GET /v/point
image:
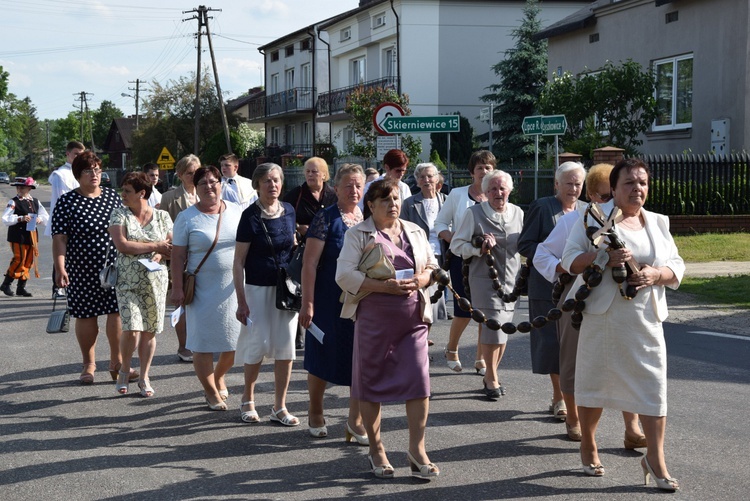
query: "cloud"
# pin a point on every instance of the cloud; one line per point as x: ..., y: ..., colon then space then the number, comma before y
x: 273, y: 8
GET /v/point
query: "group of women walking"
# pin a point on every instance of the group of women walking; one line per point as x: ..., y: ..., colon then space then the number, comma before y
x: 359, y: 268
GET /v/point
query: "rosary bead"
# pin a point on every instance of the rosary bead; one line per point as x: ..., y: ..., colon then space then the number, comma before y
x: 568, y: 305
x: 582, y: 293
x: 493, y: 324
x: 524, y: 327
x: 539, y: 321
x: 554, y: 314
x: 478, y: 316
x: 509, y: 328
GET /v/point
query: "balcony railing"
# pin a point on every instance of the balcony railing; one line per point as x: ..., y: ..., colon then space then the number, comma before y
x: 298, y: 99
x: 276, y: 151
x: 335, y: 101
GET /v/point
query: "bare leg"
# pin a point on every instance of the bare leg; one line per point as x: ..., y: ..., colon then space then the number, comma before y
x: 458, y: 325
x: 355, y: 416
x: 181, y: 331
x: 570, y: 402
x: 556, y: 393
x: 371, y: 420
x: 223, y: 365
x: 146, y: 350
x: 251, y: 375
x: 492, y: 354
x: 87, y: 329
x: 416, y: 415
x: 127, y: 347
x: 114, y: 332
x: 654, y: 428
x: 282, y: 373
x: 203, y: 363
x: 632, y: 428
x: 316, y: 388
x: 589, y: 417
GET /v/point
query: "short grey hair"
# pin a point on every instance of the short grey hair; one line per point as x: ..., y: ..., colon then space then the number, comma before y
x: 262, y: 170
x: 566, y: 167
x: 499, y: 174
x: 348, y: 170
x: 425, y: 165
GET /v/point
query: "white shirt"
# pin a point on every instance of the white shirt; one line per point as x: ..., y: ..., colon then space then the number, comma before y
x: 155, y: 199
x: 239, y: 190
x: 9, y: 218
x: 403, y: 191
x: 61, y: 181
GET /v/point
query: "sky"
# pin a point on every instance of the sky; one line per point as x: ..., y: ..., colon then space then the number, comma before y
x: 56, y: 49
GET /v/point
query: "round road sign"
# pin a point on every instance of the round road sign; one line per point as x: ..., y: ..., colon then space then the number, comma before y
x: 384, y: 111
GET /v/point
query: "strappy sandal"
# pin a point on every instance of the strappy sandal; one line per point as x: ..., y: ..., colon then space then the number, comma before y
x: 133, y: 377
x: 250, y: 416
x: 145, y: 387
x: 454, y: 365
x: 287, y: 420
x: 87, y: 377
x: 121, y: 386
x: 224, y: 394
x: 559, y: 410
x: 428, y: 470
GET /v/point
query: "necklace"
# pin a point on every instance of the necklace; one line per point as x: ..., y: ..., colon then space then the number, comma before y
x: 350, y: 219
x: 478, y: 196
x: 267, y: 212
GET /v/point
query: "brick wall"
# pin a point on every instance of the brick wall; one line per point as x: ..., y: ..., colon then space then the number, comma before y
x: 689, y: 225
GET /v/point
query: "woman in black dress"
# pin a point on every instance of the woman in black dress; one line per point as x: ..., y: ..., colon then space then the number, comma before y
x: 81, y: 245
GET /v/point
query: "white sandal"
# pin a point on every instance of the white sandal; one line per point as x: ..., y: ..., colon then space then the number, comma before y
x: 249, y: 416
x: 287, y: 420
x: 559, y: 410
x: 454, y: 365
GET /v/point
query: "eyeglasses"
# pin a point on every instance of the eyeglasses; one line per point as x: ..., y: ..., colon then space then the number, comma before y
x: 88, y: 172
x: 209, y: 184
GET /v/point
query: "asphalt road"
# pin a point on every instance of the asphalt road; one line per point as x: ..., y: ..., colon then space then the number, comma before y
x: 64, y: 441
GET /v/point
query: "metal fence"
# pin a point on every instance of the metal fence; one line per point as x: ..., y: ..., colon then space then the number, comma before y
x: 699, y: 184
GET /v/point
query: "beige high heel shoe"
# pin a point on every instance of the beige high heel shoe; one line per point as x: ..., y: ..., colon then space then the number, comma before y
x: 665, y: 484
x: 350, y: 434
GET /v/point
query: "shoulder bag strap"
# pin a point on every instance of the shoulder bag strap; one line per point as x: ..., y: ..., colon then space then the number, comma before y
x: 270, y: 244
x: 216, y: 239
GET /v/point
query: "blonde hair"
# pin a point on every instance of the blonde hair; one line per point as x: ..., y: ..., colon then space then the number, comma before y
x: 182, y: 164
x: 597, y: 174
x: 322, y: 166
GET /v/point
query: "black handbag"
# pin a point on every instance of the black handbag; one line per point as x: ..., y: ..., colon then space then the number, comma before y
x: 288, y: 291
x: 59, y: 320
x: 294, y: 268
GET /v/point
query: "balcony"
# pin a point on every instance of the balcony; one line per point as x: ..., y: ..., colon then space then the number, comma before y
x: 333, y: 102
x: 296, y: 100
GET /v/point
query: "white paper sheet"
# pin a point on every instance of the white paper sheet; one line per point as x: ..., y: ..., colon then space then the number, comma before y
x: 150, y: 265
x: 404, y: 274
x: 175, y: 317
x: 316, y: 332
x: 31, y: 225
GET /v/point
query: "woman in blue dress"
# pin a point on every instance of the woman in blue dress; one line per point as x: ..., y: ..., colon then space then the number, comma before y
x: 329, y: 360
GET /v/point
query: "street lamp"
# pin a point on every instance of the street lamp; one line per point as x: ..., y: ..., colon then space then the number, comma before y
x: 136, y: 107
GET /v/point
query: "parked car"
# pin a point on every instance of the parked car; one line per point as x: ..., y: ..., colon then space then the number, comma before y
x: 106, y: 181
x: 4, y: 178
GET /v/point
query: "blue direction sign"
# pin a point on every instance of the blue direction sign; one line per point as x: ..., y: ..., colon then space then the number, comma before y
x: 405, y: 125
x: 544, y: 125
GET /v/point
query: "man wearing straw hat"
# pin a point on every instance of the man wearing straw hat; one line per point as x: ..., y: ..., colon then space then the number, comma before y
x: 22, y: 215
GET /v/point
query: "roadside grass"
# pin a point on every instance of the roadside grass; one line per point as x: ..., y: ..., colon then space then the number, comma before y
x: 714, y: 247
x: 729, y: 290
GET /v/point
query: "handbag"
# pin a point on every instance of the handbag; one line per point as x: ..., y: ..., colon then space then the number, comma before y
x: 294, y: 268
x: 188, y: 279
x: 108, y: 274
x: 59, y: 320
x: 375, y: 264
x: 288, y: 291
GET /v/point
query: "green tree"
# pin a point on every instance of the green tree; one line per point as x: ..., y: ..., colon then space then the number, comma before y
x: 168, y: 118
x: 462, y: 143
x: 612, y: 106
x: 522, y: 75
x: 360, y: 106
x: 4, y: 113
x: 32, y: 140
x: 102, y: 120
x: 62, y: 131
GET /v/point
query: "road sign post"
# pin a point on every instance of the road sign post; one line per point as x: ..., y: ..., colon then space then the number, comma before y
x: 543, y: 125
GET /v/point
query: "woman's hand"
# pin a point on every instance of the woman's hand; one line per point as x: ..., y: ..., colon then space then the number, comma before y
x: 646, y: 277
x: 488, y: 242
x: 178, y: 296
x: 306, y: 314
x: 243, y: 312
x: 302, y: 229
x: 399, y: 287
x: 62, y: 278
x: 164, y: 248
x: 618, y: 257
x: 156, y: 258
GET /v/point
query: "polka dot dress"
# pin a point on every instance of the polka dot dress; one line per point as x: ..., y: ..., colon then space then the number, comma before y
x: 85, y: 221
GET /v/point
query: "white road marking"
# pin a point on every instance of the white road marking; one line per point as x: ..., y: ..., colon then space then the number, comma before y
x: 721, y: 334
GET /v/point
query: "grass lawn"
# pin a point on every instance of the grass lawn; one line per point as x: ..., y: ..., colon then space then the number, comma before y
x: 733, y: 290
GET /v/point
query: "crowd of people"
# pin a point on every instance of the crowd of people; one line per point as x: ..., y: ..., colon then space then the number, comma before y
x: 370, y: 252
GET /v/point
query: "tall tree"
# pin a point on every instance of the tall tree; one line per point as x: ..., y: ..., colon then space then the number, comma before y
x: 612, y: 106
x: 102, y: 120
x: 32, y: 140
x: 522, y: 74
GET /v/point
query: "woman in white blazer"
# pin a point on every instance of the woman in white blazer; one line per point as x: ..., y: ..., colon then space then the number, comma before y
x: 621, y: 359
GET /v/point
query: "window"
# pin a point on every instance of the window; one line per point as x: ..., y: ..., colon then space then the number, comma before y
x: 289, y: 131
x: 594, y: 37
x: 306, y: 136
x: 275, y: 133
x: 305, y: 44
x: 674, y: 93
x: 345, y: 34
x: 358, y: 71
x: 348, y: 137
x: 305, y: 80
x: 289, y: 79
x: 389, y: 63
x: 289, y: 50
x: 671, y: 17
x: 378, y: 20
x: 274, y: 83
x: 275, y: 55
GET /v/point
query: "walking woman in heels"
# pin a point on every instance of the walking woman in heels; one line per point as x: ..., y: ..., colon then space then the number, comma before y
x: 621, y: 361
x: 390, y: 360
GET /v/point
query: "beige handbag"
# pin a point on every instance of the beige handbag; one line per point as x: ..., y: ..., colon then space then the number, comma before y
x: 375, y: 264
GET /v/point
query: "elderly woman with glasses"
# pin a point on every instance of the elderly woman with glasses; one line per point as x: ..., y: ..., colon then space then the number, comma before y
x: 81, y: 246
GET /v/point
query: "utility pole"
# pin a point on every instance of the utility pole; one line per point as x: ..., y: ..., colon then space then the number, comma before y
x: 202, y: 17
x: 82, y: 96
x: 136, y: 97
